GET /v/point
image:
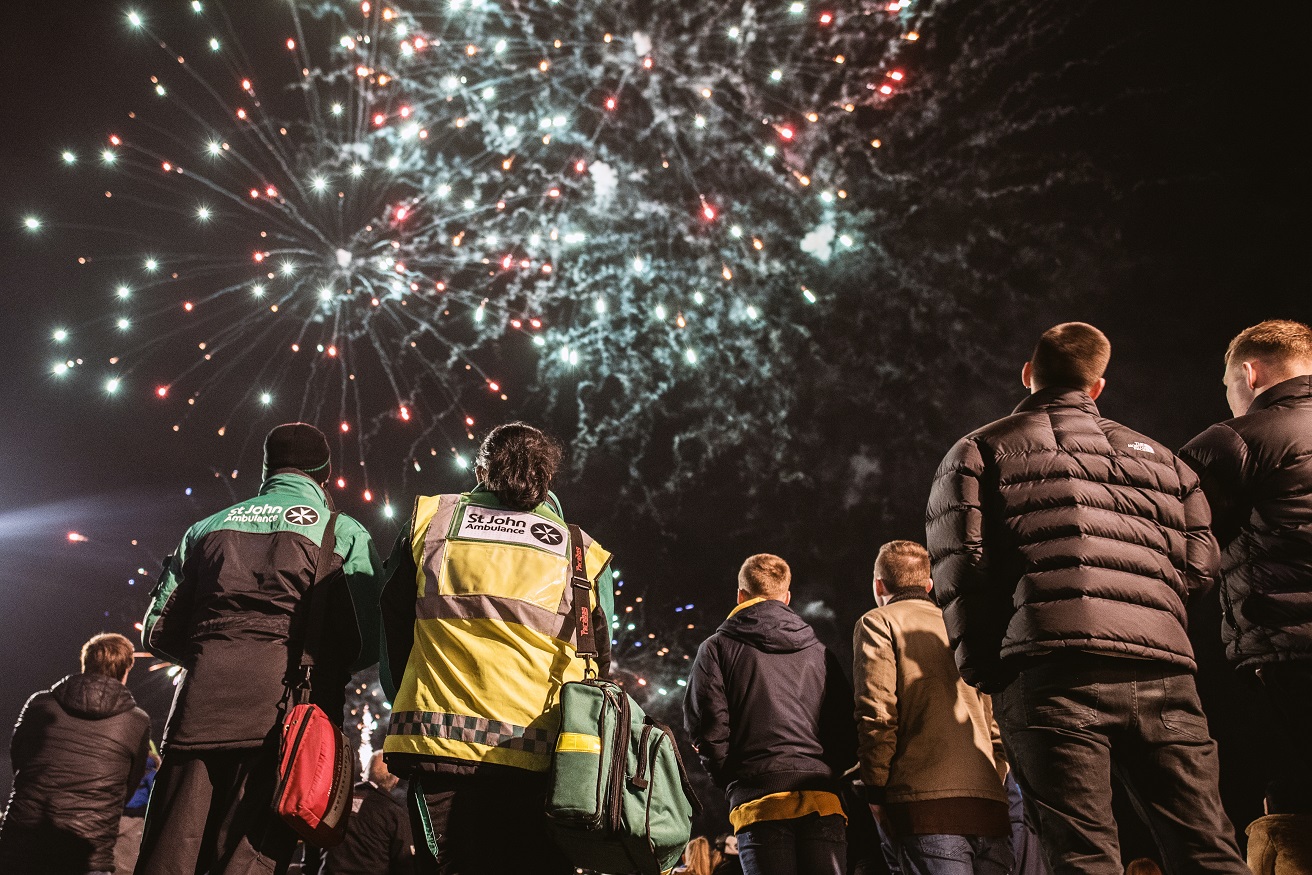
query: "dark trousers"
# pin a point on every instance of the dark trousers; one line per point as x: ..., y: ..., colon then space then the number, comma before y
x: 485, y: 825
x: 211, y: 812
x: 810, y: 845
x: 1067, y: 721
x: 1288, y: 689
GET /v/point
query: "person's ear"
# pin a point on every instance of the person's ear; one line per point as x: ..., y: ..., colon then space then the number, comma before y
x: 788, y: 597
x: 1027, y: 375
x: 1252, y: 374
x: 929, y: 584
x: 742, y: 596
x: 880, y: 589
x: 1096, y: 389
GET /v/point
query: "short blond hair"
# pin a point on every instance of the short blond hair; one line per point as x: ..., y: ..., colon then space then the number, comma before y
x: 902, y: 565
x: 1275, y: 342
x: 765, y: 576
x: 108, y: 654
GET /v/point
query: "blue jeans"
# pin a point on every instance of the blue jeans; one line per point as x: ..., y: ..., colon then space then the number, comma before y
x: 811, y: 845
x: 954, y: 855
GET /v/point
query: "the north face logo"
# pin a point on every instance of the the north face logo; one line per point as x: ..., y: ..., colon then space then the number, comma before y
x: 301, y: 515
x: 1142, y: 447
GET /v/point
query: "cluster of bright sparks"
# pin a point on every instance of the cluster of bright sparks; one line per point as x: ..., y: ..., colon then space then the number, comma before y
x: 471, y: 196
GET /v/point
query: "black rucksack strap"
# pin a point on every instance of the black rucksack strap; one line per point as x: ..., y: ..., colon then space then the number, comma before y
x: 581, y: 588
x: 316, y: 610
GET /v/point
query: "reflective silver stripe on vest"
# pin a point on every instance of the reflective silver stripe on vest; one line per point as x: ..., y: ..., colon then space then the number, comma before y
x: 435, y: 546
x: 484, y: 607
x: 472, y: 730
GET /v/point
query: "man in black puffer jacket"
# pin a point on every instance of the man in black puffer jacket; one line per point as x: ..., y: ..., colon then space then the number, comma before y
x: 79, y: 751
x: 770, y: 714
x: 1064, y: 547
x: 1256, y: 470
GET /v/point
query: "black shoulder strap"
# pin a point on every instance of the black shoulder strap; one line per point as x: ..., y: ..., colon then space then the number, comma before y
x: 582, y: 589
x: 317, y: 609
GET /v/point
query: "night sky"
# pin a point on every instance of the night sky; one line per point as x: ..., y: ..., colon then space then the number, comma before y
x: 1130, y: 164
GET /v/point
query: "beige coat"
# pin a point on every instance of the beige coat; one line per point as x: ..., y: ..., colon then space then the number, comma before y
x: 922, y: 732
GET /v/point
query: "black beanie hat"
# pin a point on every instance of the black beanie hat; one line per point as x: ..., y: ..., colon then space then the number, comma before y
x: 298, y: 445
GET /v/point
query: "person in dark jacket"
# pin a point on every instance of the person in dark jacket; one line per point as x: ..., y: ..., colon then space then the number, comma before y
x: 231, y: 608
x: 770, y: 715
x: 1256, y: 471
x: 1064, y: 547
x: 78, y: 751
x: 378, y: 834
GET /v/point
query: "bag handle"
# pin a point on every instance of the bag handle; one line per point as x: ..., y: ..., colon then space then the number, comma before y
x: 317, y: 610
x: 581, y: 587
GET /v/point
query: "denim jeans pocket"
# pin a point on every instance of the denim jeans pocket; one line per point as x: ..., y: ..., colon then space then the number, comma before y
x: 1181, y: 714
x: 1058, y: 699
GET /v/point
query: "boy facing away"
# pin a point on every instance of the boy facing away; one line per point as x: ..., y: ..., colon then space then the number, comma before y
x: 769, y: 712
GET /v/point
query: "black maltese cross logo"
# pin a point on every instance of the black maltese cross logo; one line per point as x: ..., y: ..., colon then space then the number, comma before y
x: 301, y: 515
x: 545, y: 533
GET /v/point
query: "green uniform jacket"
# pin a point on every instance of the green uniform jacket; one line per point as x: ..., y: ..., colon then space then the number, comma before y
x: 228, y: 599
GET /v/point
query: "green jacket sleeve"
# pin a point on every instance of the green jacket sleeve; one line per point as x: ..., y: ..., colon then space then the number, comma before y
x: 364, y: 579
x: 164, y: 630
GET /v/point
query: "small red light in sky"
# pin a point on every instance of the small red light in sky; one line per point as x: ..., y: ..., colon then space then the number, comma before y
x: 786, y: 133
x: 507, y: 262
x: 826, y: 17
x: 401, y: 213
x: 709, y: 212
x: 332, y: 351
x: 580, y: 166
x: 291, y: 45
x: 379, y: 118
x: 469, y: 420
x: 647, y: 63
x: 368, y: 496
x: 405, y: 413
x: 255, y: 192
x: 162, y: 391
x: 188, y: 306
x: 493, y: 386
x: 555, y: 192
x: 114, y: 140
x: 245, y: 85
x: 271, y: 191
x: 341, y: 482
x: 611, y: 103
x: 886, y: 89
x: 259, y: 256
x: 167, y: 166
x: 346, y: 426
x: 241, y: 114
x: 896, y: 75
x: 77, y: 538
x: 405, y: 112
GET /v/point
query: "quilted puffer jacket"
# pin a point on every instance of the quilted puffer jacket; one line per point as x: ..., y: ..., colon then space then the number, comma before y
x: 1256, y: 470
x: 1057, y: 529
x: 79, y: 751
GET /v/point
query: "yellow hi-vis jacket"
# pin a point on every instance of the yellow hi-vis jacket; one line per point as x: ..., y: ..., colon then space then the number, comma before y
x: 493, y: 631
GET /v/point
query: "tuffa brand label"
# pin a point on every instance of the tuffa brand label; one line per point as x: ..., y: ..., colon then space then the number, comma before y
x: 511, y: 527
x: 254, y: 513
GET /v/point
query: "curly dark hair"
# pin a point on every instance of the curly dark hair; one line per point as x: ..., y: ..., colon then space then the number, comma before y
x: 519, y: 463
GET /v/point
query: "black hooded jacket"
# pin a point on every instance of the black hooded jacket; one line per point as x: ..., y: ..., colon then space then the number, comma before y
x: 1255, y: 470
x: 79, y: 751
x: 768, y: 707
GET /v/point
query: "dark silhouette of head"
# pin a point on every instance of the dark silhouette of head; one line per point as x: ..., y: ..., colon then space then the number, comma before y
x: 517, y: 462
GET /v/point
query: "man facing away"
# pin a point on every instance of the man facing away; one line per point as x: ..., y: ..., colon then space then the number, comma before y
x: 1064, y: 546
x: 231, y: 608
x: 378, y: 834
x: 79, y: 750
x: 769, y: 713
x: 1256, y: 471
x: 930, y: 753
